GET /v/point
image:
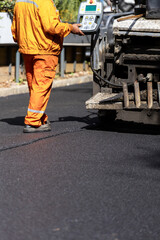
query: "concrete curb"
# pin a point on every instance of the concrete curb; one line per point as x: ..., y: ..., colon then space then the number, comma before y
x: 20, y: 89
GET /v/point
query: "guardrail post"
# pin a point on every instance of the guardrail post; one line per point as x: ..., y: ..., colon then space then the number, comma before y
x: 17, y: 66
x: 62, y: 62
x: 75, y: 60
x: 10, y: 69
x: 9, y: 60
x: 84, y: 60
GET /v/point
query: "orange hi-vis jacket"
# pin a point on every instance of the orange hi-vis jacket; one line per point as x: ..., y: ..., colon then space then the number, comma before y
x: 37, y: 28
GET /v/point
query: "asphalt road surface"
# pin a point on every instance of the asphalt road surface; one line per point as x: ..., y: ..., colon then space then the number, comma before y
x: 80, y: 181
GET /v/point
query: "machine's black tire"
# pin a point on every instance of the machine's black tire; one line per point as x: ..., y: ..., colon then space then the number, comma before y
x: 124, y: 7
x: 107, y: 116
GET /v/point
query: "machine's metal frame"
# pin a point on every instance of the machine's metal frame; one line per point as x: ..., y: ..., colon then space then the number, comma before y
x: 125, y: 61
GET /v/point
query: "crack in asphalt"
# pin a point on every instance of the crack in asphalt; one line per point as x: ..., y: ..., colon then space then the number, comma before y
x: 38, y: 139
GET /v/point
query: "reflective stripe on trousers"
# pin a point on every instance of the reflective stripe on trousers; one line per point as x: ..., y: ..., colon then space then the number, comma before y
x: 35, y: 111
x: 40, y: 71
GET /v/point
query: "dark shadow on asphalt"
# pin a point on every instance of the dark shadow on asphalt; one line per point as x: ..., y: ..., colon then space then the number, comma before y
x: 153, y: 162
x: 131, y: 127
x: 93, y: 123
x: 17, y: 121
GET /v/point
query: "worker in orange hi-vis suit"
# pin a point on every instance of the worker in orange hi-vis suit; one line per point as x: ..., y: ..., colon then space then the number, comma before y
x: 37, y: 29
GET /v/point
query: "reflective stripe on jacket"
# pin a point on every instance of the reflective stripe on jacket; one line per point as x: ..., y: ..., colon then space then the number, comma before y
x: 37, y: 28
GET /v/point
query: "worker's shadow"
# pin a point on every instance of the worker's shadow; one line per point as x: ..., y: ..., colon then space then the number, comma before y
x: 17, y: 121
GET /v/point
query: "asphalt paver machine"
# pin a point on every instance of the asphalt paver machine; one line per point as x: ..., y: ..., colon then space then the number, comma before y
x: 125, y: 57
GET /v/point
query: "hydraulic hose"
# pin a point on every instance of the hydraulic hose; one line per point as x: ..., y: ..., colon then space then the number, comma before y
x: 103, y: 79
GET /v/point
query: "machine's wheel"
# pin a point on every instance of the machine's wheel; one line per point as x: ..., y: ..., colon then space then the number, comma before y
x: 125, y: 7
x: 107, y: 116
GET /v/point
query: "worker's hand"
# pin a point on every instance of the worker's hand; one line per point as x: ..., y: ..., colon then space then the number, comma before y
x: 76, y: 29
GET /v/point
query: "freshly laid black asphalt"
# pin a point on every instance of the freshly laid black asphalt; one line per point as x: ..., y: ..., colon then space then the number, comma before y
x: 80, y: 181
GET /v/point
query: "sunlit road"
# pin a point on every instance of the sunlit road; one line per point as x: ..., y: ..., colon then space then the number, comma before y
x: 79, y: 181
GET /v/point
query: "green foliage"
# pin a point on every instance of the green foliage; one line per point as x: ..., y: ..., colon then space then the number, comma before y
x: 7, y: 5
x: 68, y: 9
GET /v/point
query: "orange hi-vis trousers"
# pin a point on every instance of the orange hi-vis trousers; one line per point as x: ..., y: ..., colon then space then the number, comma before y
x: 40, y: 72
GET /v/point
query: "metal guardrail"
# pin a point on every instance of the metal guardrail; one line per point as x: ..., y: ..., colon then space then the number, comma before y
x: 74, y: 41
x: 70, y: 40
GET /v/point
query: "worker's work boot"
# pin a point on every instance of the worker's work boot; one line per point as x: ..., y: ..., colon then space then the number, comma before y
x: 32, y: 129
